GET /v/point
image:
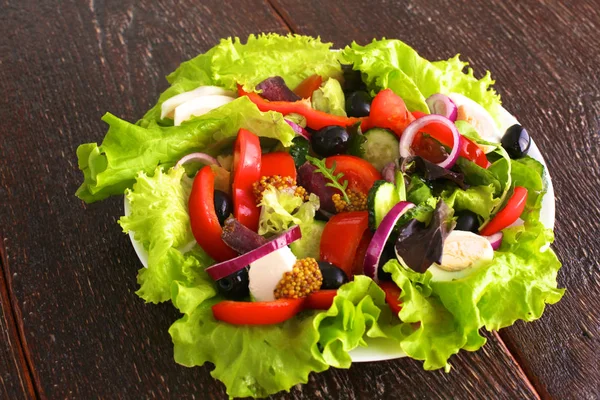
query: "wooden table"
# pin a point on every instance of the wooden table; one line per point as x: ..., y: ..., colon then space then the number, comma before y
x: 70, y: 323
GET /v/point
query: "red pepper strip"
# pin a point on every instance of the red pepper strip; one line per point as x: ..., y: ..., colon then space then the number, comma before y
x: 277, y: 163
x: 314, y: 119
x: 258, y: 312
x: 203, y: 219
x: 510, y: 213
x: 320, y: 300
x: 246, y: 171
x: 392, y: 296
x: 306, y: 88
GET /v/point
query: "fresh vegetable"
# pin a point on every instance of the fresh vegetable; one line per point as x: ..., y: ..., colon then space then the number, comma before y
x: 358, y: 104
x: 392, y: 296
x: 246, y: 171
x: 510, y: 213
x: 495, y: 240
x: 329, y: 98
x: 275, y: 89
x: 281, y: 209
x: 442, y: 105
x: 239, y: 238
x: 359, y: 174
x: 421, y: 124
x: 234, y: 286
x: 431, y: 171
x: 320, y: 300
x: 306, y: 88
x: 381, y: 147
x: 198, y: 107
x: 304, y: 279
x: 170, y: 105
x: 223, y: 206
x: 516, y: 141
x: 198, y: 157
x: 330, y: 140
x: 203, y: 217
x: 350, y: 226
x: 467, y: 221
x: 299, y: 150
x: 257, y: 313
x: 418, y: 246
x: 333, y: 277
x: 388, y: 111
x: 223, y: 269
x: 381, y: 199
x: 317, y: 183
x: 312, y: 230
x: 277, y: 163
x: 298, y: 129
x: 381, y: 236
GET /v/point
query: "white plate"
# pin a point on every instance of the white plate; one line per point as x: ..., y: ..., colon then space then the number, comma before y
x: 383, y: 349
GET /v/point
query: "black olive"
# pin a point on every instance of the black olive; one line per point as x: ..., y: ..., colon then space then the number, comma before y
x: 235, y: 286
x: 467, y: 221
x: 223, y: 206
x: 516, y: 141
x: 358, y: 104
x: 333, y: 277
x: 388, y: 253
x: 330, y: 140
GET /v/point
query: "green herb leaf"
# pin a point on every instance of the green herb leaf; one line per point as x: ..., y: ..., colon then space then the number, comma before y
x: 329, y: 173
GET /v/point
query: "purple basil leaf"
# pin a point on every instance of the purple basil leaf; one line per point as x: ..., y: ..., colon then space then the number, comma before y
x: 431, y: 171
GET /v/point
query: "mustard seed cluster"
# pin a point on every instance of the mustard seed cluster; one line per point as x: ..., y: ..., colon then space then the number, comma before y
x: 358, y: 202
x: 278, y: 182
x: 304, y: 279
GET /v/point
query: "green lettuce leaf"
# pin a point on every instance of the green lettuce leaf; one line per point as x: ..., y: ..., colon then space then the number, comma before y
x: 478, y: 199
x: 329, y: 98
x: 128, y: 149
x: 529, y: 173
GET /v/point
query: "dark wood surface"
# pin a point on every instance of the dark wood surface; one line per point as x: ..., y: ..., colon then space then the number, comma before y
x: 70, y: 324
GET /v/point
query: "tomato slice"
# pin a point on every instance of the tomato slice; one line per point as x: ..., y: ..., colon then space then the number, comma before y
x: 278, y: 163
x: 360, y: 174
x: 320, y: 300
x: 306, y: 88
x: 510, y: 213
x: 361, y: 251
x: 388, y: 111
x: 341, y: 238
x: 203, y: 218
x: 246, y: 171
x: 429, y: 148
x: 258, y: 312
x: 392, y: 296
x: 418, y: 114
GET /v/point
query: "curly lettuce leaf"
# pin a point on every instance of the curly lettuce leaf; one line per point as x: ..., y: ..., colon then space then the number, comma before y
x: 451, y: 313
x: 478, y: 199
x: 128, y: 149
x: 330, y: 98
x: 529, y: 173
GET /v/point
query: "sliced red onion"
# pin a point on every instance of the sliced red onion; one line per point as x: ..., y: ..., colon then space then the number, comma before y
x: 442, y: 105
x: 389, y: 172
x: 381, y: 236
x: 420, y: 124
x: 226, y: 268
x: 495, y: 240
x: 200, y: 157
x: 298, y: 129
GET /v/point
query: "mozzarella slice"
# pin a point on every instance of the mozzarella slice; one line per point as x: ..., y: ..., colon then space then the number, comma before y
x: 169, y: 106
x: 199, y: 106
x: 266, y: 272
x: 463, y: 253
x: 476, y: 115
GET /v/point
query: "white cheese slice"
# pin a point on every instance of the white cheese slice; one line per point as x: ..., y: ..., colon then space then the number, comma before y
x: 266, y: 272
x: 199, y: 106
x: 169, y: 106
x: 463, y: 253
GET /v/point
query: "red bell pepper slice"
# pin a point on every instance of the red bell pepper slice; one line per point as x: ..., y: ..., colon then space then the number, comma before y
x: 392, y: 296
x: 314, y: 119
x: 341, y: 238
x: 388, y: 111
x: 360, y: 174
x: 258, y: 312
x: 320, y: 300
x: 510, y: 213
x: 246, y: 171
x: 277, y: 163
x: 203, y: 218
x: 306, y: 88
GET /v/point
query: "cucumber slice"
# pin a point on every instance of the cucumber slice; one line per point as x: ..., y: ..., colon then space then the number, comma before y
x: 382, y: 197
x: 310, y: 243
x: 381, y: 147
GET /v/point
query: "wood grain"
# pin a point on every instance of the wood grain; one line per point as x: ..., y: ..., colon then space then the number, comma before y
x: 545, y: 57
x: 72, y: 271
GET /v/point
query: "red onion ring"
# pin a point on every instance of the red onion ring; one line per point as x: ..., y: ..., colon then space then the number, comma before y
x: 201, y: 157
x: 408, y: 136
x: 442, y: 105
x: 495, y: 240
x: 298, y: 129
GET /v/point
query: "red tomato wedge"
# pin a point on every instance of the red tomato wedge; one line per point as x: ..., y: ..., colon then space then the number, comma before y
x: 320, y: 300
x: 203, y: 218
x: 246, y: 171
x: 306, y: 88
x: 392, y: 295
x: 258, y: 312
x: 418, y: 114
x: 360, y: 174
x: 341, y: 239
x: 278, y: 163
x: 361, y: 251
x: 510, y: 213
x: 388, y: 111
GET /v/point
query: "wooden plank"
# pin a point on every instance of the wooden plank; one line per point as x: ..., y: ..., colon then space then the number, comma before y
x: 545, y: 57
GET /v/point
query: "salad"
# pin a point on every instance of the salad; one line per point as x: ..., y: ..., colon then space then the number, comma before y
x: 295, y: 202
